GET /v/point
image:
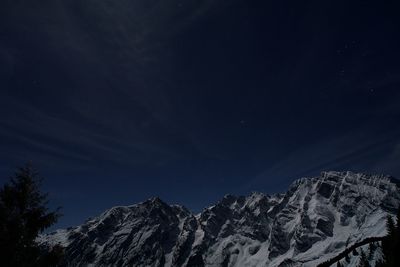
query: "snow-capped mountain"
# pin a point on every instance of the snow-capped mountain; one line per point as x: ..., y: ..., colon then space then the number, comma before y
x: 313, y: 221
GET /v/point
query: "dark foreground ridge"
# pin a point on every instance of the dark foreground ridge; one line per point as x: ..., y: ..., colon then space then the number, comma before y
x: 347, y: 251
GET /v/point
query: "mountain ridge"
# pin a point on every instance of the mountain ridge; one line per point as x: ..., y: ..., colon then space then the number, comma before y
x: 316, y: 218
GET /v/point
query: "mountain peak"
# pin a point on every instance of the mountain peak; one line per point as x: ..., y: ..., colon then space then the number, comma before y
x: 156, y: 200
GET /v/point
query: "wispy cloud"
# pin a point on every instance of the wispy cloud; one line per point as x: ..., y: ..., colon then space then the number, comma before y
x: 352, y: 151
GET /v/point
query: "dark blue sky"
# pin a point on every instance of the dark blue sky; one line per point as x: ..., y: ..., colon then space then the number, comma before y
x: 119, y: 101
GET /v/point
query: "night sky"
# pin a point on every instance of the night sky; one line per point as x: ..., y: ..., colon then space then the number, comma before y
x: 118, y: 101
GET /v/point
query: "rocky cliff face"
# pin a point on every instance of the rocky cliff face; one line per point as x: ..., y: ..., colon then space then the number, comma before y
x: 313, y: 221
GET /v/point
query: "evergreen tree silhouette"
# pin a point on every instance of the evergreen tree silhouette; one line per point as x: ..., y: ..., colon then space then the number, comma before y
x: 391, y: 243
x: 363, y: 260
x: 355, y: 252
x: 347, y: 258
x: 23, y: 215
x: 371, y: 250
x: 391, y: 228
